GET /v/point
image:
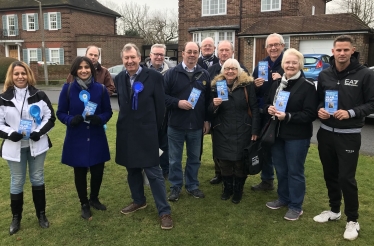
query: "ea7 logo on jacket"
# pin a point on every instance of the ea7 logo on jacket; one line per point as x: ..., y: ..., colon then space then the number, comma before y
x: 351, y: 82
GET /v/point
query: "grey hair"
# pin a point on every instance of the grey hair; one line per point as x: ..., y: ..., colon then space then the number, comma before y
x: 224, y: 41
x: 281, y: 40
x: 93, y: 46
x: 295, y: 52
x: 128, y: 47
x: 162, y: 46
x: 232, y: 62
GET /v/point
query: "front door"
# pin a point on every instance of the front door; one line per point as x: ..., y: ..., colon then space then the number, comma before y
x: 260, y: 50
x: 13, y: 51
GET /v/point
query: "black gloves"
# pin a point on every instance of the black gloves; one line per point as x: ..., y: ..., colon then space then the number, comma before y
x: 35, y: 136
x: 94, y: 119
x: 76, y: 120
x: 15, y: 136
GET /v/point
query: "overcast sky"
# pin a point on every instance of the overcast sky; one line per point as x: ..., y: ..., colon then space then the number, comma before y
x: 153, y: 4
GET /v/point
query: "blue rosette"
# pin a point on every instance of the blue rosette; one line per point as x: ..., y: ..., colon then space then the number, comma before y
x: 137, y: 88
x: 84, y: 96
x: 35, y: 113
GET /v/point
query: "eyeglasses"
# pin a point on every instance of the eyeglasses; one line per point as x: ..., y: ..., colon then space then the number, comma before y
x: 230, y: 68
x: 158, y: 54
x: 190, y: 52
x: 276, y: 45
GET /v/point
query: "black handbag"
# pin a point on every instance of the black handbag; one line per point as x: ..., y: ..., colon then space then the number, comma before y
x: 253, y: 158
x: 268, y: 132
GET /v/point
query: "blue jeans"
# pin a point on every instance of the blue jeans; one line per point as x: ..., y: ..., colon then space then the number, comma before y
x: 157, y: 184
x: 18, y: 170
x: 176, y: 140
x: 289, y: 159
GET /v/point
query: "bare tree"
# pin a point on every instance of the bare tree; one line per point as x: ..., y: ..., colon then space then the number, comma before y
x: 138, y: 20
x: 364, y: 9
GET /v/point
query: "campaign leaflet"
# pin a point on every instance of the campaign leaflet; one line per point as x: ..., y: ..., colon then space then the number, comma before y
x: 194, y: 96
x: 263, y: 70
x: 282, y: 100
x: 331, y: 101
x: 25, y: 128
x: 222, y: 91
x: 89, y: 109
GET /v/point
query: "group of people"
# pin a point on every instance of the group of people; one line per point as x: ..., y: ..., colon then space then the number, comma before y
x: 156, y: 111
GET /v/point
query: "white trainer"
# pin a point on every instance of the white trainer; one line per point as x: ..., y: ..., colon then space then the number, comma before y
x: 327, y: 216
x: 351, y: 230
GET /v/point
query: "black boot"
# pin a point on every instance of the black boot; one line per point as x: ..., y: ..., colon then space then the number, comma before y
x: 86, y: 211
x: 238, y: 189
x: 16, y: 204
x: 38, y: 196
x: 227, y: 187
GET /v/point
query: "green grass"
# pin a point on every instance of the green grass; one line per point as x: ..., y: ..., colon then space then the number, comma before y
x: 208, y: 221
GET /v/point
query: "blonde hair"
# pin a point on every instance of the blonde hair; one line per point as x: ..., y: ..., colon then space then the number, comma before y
x: 292, y: 51
x: 232, y: 62
x: 9, y: 75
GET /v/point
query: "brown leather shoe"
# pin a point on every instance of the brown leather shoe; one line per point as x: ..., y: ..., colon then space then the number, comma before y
x: 133, y: 207
x: 166, y: 222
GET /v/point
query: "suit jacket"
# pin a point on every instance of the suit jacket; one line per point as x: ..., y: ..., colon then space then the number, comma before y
x: 137, y: 130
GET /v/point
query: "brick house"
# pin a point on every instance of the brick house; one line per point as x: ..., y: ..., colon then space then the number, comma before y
x: 246, y: 23
x: 69, y: 27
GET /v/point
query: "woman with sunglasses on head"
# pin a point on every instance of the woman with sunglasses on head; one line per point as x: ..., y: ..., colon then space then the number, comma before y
x: 233, y: 127
x: 26, y: 116
x: 85, y: 145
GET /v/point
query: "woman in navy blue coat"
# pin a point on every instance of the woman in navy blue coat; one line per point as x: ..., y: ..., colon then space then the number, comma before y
x: 85, y: 144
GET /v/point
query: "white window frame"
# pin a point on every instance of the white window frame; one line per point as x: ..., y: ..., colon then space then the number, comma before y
x: 11, y: 32
x: 217, y: 35
x: 50, y: 22
x: 207, y: 7
x: 271, y: 5
x: 54, y: 59
x: 28, y: 22
x: 287, y: 41
x: 29, y: 55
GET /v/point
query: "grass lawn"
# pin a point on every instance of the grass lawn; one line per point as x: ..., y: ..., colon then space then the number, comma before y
x: 208, y: 221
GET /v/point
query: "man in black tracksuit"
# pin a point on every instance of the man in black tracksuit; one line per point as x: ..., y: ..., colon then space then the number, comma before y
x: 339, y: 138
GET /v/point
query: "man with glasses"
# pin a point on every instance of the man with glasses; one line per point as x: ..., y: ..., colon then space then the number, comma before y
x: 157, y: 62
x: 274, y: 46
x: 207, y: 58
x: 102, y: 74
x: 225, y: 51
x: 186, y: 122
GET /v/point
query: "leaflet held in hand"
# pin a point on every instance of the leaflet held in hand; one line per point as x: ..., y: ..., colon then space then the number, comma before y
x: 222, y: 91
x: 282, y: 100
x: 194, y: 96
x: 89, y: 109
x: 263, y: 70
x: 25, y: 128
x: 331, y: 101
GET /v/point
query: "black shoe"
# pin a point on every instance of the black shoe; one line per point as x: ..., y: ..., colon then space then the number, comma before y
x: 43, y: 221
x: 228, y: 188
x: 86, y: 212
x: 216, y: 180
x: 174, y: 194
x: 96, y: 204
x: 16, y: 224
x: 265, y: 185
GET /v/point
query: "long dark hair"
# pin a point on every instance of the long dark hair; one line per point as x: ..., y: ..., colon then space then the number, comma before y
x: 77, y: 62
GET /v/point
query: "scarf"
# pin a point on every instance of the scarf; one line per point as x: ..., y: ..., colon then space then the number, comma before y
x: 84, y: 83
x: 208, y: 60
x: 283, y: 84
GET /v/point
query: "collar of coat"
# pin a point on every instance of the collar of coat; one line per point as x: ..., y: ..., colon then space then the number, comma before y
x: 243, y: 80
x: 8, y: 94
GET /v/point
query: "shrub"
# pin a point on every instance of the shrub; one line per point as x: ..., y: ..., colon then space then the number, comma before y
x: 4, y: 64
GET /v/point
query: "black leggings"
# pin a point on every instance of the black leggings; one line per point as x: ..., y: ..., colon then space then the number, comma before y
x: 80, y: 178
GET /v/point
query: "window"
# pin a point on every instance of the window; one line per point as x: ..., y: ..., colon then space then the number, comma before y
x: 10, y: 25
x: 270, y: 5
x: 217, y: 36
x: 52, y: 21
x: 286, y: 42
x: 54, y: 55
x: 30, y: 22
x: 33, y: 55
x: 213, y: 7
